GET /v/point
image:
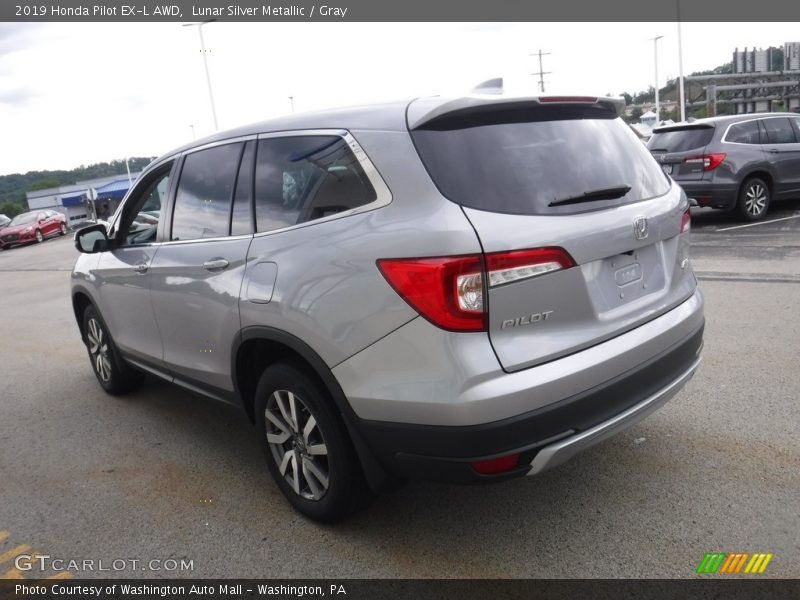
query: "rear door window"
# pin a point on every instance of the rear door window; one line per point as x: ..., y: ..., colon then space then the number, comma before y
x: 744, y: 133
x: 779, y: 131
x: 526, y: 160
x: 205, y: 190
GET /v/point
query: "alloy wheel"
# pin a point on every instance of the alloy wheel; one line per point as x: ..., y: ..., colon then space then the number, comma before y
x: 297, y: 445
x: 39, y: 237
x: 755, y: 199
x: 63, y: 229
x: 98, y: 349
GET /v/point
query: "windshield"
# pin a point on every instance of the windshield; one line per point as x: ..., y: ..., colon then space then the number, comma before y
x: 23, y: 219
x: 536, y: 160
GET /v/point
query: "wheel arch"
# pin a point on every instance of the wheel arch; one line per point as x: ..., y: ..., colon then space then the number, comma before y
x: 761, y: 173
x: 80, y: 300
x: 257, y: 347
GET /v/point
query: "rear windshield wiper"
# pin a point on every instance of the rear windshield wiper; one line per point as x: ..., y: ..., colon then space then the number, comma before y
x: 601, y: 194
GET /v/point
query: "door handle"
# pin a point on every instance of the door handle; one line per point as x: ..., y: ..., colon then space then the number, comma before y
x: 215, y: 264
x: 773, y: 151
x: 141, y: 268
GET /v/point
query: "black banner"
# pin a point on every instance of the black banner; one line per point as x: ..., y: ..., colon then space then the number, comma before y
x: 399, y: 10
x: 400, y: 589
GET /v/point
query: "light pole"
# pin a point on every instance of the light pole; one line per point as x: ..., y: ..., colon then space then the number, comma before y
x: 205, y: 64
x: 291, y: 102
x: 655, y: 55
x: 681, y: 98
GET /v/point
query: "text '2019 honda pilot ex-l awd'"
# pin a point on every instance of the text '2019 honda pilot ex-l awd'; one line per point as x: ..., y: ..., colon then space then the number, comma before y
x: 464, y: 289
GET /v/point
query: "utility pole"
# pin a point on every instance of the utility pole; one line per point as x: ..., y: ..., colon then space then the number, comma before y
x: 655, y: 56
x: 681, y: 98
x: 541, y: 73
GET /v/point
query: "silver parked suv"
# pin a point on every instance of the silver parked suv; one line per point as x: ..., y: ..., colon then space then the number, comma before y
x: 466, y: 289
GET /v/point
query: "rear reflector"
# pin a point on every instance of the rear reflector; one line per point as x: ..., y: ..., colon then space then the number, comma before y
x: 496, y: 465
x: 686, y: 221
x: 709, y: 161
x: 449, y: 290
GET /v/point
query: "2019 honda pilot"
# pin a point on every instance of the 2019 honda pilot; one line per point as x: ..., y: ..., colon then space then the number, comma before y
x: 466, y: 289
x: 741, y: 162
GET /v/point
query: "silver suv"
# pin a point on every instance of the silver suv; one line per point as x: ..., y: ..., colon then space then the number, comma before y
x: 466, y: 289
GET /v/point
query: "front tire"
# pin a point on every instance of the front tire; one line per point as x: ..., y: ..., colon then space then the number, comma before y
x: 63, y: 229
x: 114, y: 375
x: 754, y: 197
x: 39, y: 237
x: 306, y: 445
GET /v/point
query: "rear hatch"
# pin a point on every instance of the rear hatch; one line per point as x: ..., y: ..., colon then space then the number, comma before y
x: 680, y: 150
x: 580, y: 228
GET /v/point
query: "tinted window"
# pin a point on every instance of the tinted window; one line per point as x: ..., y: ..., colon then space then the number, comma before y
x: 680, y: 139
x: 205, y: 189
x: 779, y: 131
x: 241, y: 215
x: 518, y: 161
x: 744, y: 133
x: 302, y: 178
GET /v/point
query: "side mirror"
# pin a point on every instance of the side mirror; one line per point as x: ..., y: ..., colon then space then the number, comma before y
x: 92, y: 239
x: 693, y: 202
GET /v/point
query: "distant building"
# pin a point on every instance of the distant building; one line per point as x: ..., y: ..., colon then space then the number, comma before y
x: 762, y: 61
x: 72, y: 200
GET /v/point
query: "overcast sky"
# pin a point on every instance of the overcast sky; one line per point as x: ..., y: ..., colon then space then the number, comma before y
x: 81, y: 93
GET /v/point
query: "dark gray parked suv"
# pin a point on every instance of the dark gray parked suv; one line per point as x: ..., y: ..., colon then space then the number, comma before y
x: 742, y: 162
x: 466, y: 289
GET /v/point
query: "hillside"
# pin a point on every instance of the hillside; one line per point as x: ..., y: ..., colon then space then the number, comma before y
x: 14, y: 186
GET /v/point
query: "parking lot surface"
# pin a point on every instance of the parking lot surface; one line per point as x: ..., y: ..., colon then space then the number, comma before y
x: 166, y: 475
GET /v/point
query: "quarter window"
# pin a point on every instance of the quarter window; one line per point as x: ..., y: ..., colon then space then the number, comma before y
x: 779, y: 131
x: 205, y: 191
x: 302, y: 178
x: 744, y: 133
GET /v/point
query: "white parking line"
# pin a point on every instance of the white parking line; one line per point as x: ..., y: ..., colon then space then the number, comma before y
x: 759, y: 223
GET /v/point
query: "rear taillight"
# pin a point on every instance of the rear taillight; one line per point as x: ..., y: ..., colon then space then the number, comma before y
x: 686, y: 221
x: 449, y: 291
x: 709, y: 161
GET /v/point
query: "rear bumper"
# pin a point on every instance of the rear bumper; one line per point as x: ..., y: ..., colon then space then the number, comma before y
x: 544, y: 437
x: 710, y: 193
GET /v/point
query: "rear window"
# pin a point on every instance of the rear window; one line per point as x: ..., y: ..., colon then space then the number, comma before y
x: 680, y: 139
x: 521, y: 160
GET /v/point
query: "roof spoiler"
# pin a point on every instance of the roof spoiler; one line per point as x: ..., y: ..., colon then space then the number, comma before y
x: 491, y: 93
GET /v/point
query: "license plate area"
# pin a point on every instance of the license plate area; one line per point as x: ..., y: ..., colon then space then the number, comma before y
x: 625, y: 278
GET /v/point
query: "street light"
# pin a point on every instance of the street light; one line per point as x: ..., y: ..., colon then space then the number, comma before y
x: 205, y: 64
x: 655, y: 55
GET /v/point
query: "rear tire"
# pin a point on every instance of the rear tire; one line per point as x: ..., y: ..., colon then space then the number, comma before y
x: 754, y: 197
x: 115, y: 376
x: 308, y: 451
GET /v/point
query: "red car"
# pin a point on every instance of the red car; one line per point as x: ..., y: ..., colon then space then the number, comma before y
x: 32, y: 226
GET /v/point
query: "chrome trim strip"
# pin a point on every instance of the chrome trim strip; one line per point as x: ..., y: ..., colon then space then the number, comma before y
x: 555, y: 454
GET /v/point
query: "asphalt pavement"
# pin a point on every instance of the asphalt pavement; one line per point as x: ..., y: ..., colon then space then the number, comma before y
x: 164, y: 475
